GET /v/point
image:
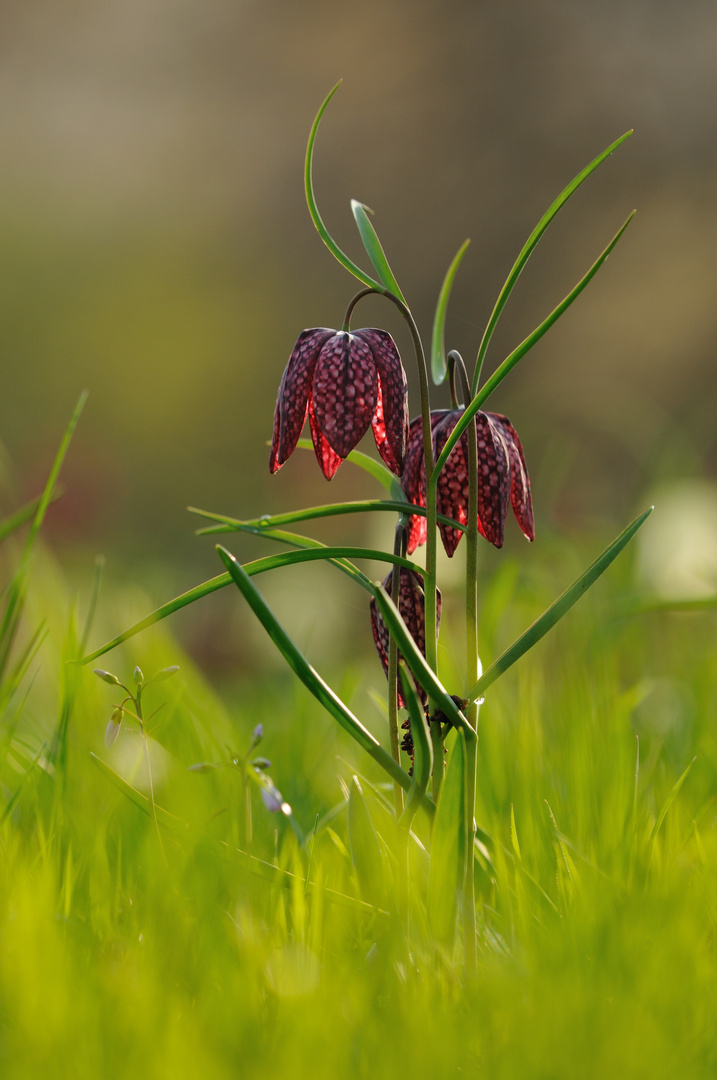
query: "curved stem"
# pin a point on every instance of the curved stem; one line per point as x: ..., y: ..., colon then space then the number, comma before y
x: 352, y: 305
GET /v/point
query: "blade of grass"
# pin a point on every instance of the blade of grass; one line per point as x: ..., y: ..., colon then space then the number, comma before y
x: 308, y: 675
x: 370, y: 465
x: 364, y: 846
x: 438, y: 337
x: 448, y: 848
x: 557, y: 610
x: 373, y: 247
x: 16, y: 589
x: 21, y: 516
x: 517, y: 355
x: 674, y: 792
x: 530, y: 245
x: 323, y: 232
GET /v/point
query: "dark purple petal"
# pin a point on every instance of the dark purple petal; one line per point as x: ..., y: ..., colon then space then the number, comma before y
x: 345, y: 391
x: 493, y: 480
x: 293, y: 397
x: 326, y: 457
x: 412, y: 606
x: 414, y: 477
x: 378, y: 425
x: 520, y: 498
x: 394, y: 395
x: 452, y: 487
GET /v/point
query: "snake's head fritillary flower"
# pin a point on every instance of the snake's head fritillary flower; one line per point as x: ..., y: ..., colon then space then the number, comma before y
x: 502, y: 478
x: 346, y: 382
x: 412, y: 607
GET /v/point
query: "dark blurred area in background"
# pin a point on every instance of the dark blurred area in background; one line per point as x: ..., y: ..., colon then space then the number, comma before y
x: 155, y: 245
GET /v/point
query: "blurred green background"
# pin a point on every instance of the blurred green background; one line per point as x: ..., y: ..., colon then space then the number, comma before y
x: 155, y: 248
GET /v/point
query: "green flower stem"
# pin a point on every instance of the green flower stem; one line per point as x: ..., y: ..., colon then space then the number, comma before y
x: 398, y: 546
x: 473, y: 667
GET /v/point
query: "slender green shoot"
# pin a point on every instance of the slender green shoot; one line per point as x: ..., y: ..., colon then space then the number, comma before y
x: 556, y: 611
x: 373, y: 247
x: 438, y: 338
x: 530, y: 245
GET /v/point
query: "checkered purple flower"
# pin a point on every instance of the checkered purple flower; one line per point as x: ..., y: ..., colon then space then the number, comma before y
x: 346, y: 382
x: 412, y: 606
x: 502, y: 478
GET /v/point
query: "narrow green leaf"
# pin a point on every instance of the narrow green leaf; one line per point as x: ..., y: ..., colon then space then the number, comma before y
x: 323, y: 232
x: 556, y: 611
x: 416, y: 661
x: 448, y: 848
x: 308, y: 675
x: 311, y: 551
x: 263, y: 525
x: 16, y: 589
x: 422, y: 749
x: 674, y: 791
x: 373, y: 247
x: 21, y: 516
x: 530, y: 245
x: 517, y: 355
x: 438, y: 338
x: 364, y: 846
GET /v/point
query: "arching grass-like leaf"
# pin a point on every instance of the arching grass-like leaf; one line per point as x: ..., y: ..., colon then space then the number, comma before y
x: 308, y: 675
x: 438, y: 337
x: 323, y: 232
x: 422, y: 750
x: 311, y: 551
x: 556, y: 611
x: 530, y: 245
x: 517, y: 355
x: 373, y: 247
x: 448, y: 848
x: 266, y: 524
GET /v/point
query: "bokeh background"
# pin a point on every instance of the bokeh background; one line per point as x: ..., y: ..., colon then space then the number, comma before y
x: 155, y: 248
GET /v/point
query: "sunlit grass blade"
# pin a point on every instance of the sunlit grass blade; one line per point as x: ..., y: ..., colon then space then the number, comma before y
x: 308, y: 675
x: 323, y: 232
x: 21, y: 516
x: 415, y: 659
x: 263, y: 525
x: 438, y: 337
x: 448, y: 848
x: 674, y: 792
x: 529, y: 247
x: 517, y: 355
x: 12, y: 801
x: 422, y: 750
x: 364, y: 846
x: 556, y: 611
x: 373, y: 247
x: 16, y: 588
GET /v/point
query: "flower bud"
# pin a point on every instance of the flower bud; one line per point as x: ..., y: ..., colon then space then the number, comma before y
x: 138, y: 676
x: 106, y: 676
x: 113, y: 728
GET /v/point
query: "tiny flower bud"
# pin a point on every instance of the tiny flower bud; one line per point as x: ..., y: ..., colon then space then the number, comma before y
x: 201, y: 767
x: 106, y: 676
x: 258, y: 733
x: 113, y: 728
x: 261, y: 763
x: 138, y: 676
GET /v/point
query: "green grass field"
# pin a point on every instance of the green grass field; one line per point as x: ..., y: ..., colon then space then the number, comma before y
x: 135, y: 950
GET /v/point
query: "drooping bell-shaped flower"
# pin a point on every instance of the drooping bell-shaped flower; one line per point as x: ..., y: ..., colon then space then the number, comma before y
x: 502, y: 478
x: 346, y: 382
x: 412, y: 606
